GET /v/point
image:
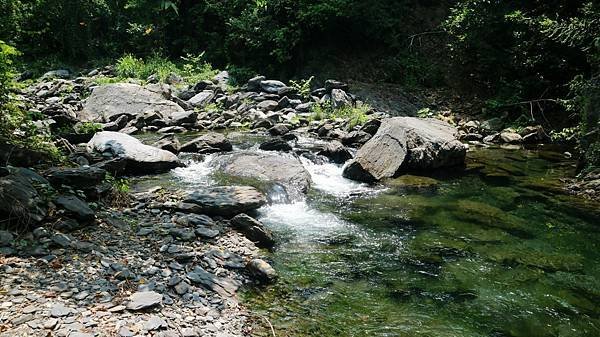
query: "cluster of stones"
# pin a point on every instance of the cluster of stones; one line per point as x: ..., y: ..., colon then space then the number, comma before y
x: 491, y: 131
x: 141, y: 271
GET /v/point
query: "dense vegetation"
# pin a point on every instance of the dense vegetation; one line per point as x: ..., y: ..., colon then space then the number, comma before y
x: 522, y: 59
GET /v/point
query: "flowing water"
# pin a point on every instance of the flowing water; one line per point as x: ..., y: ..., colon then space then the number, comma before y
x: 495, y: 250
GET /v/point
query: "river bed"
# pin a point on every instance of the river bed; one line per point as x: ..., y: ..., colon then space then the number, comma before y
x: 497, y: 249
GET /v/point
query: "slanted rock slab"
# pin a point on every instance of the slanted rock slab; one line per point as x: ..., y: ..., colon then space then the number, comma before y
x: 80, y: 177
x: 254, y: 230
x: 404, y: 144
x: 223, y: 200
x: 76, y: 207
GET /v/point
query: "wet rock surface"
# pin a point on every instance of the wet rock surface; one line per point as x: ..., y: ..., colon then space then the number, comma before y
x: 286, y: 170
x: 223, y: 200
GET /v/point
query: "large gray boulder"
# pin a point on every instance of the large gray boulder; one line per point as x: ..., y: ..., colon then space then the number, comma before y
x: 108, y: 102
x: 340, y: 99
x: 23, y: 200
x: 139, y: 158
x: 223, y: 201
x: 272, y: 86
x: 281, y: 169
x: 405, y: 144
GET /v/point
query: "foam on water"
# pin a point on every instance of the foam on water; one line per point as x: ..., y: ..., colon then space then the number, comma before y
x: 328, y: 179
x: 196, y: 173
x: 300, y: 218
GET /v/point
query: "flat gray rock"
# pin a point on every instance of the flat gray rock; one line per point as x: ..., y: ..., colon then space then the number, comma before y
x: 76, y: 207
x: 223, y: 200
x: 59, y: 310
x: 144, y: 300
x: 109, y: 102
x: 155, y: 323
x: 222, y: 286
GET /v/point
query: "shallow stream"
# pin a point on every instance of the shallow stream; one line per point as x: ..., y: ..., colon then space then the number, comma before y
x: 495, y: 250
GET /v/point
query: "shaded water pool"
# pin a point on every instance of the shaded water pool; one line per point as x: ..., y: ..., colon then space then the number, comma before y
x: 496, y: 250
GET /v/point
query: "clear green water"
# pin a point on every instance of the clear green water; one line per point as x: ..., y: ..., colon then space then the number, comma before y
x: 497, y: 250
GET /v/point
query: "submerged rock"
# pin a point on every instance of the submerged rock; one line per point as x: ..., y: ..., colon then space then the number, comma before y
x: 138, y: 158
x: 223, y: 200
x: 405, y: 144
x: 411, y: 182
x: 261, y: 270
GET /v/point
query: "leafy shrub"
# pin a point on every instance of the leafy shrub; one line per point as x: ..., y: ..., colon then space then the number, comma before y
x: 303, y: 87
x: 129, y: 66
x: 119, y: 192
x: 240, y: 75
x: 88, y: 128
x: 16, y: 123
x: 195, y: 68
x: 355, y: 115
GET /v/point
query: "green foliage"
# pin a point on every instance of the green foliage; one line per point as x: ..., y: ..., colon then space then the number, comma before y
x: 303, y: 87
x: 88, y: 128
x: 119, y: 192
x: 129, y: 66
x: 7, y: 57
x: 16, y: 123
x: 355, y: 115
x: 195, y: 68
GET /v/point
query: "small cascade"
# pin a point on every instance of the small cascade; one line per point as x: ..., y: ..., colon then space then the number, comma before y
x: 196, y: 173
x: 278, y: 195
x: 328, y: 179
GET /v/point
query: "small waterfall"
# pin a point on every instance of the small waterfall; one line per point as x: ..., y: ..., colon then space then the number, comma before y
x: 278, y: 195
x: 196, y: 173
x: 328, y: 179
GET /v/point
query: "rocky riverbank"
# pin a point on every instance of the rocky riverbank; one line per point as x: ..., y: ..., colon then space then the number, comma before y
x: 84, y: 256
